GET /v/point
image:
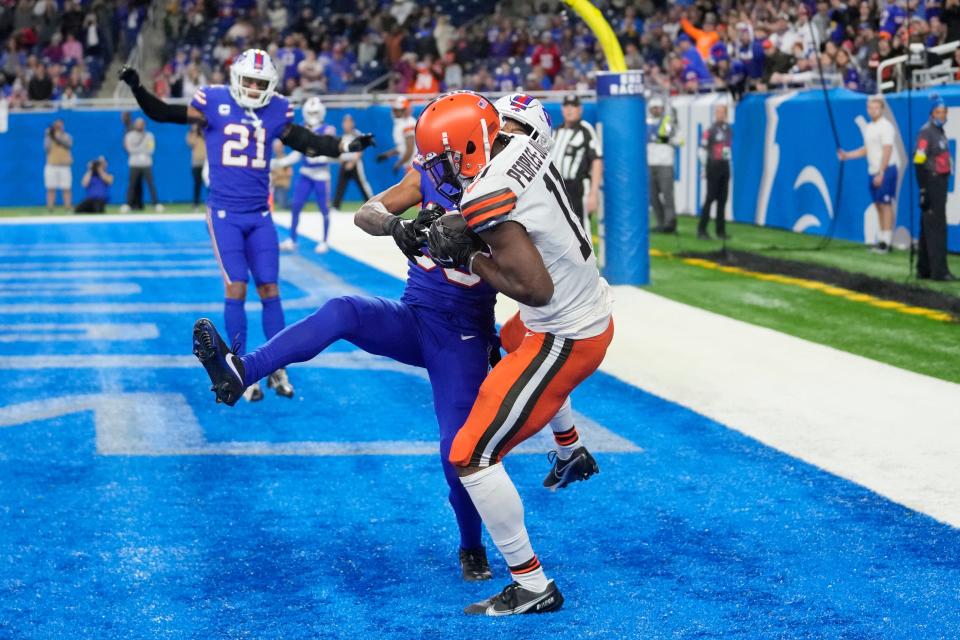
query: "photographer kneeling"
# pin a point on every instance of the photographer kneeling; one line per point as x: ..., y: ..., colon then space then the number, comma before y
x: 97, y: 183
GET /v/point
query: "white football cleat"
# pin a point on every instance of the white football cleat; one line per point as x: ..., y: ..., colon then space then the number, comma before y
x: 279, y: 382
x: 334, y: 211
x: 253, y: 393
x: 289, y: 245
x: 322, y: 247
x: 124, y: 208
x: 159, y: 208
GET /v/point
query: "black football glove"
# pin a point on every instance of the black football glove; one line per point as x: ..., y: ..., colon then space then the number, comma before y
x: 406, y: 237
x: 383, y: 156
x: 451, y: 243
x: 130, y: 76
x: 361, y: 142
x: 428, y: 214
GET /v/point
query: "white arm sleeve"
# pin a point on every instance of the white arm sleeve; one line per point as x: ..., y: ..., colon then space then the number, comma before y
x: 288, y: 160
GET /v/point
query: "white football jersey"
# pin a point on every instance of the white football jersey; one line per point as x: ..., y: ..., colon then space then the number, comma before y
x: 403, y: 128
x: 522, y: 185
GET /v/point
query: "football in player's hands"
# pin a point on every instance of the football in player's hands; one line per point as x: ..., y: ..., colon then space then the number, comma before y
x: 406, y: 237
x: 427, y: 215
x: 361, y: 142
x: 130, y: 76
x: 452, y: 243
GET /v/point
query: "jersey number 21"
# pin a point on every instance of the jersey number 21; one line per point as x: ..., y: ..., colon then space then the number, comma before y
x: 238, y: 140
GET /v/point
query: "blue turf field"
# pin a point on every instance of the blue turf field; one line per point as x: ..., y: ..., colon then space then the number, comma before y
x: 131, y: 506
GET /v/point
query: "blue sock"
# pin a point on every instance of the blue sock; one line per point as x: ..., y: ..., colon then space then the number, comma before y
x: 325, y: 212
x: 301, y: 341
x: 272, y: 316
x: 468, y: 520
x: 235, y: 319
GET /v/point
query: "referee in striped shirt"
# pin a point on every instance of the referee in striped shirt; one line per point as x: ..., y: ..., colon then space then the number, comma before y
x: 576, y: 152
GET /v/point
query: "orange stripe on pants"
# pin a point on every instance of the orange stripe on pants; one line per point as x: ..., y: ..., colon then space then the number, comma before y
x: 524, y: 391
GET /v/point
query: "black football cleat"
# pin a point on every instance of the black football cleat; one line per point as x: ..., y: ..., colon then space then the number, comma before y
x: 514, y: 600
x: 473, y: 563
x: 224, y: 368
x: 579, y: 466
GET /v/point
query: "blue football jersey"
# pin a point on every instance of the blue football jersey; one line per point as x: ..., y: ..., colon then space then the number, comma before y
x: 455, y: 291
x: 239, y: 147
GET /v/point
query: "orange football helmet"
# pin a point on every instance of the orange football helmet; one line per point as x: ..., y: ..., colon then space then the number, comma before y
x: 460, y: 128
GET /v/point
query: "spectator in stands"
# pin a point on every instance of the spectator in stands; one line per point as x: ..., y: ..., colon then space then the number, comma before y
x: 848, y: 72
x: 289, y: 57
x: 312, y: 77
x: 444, y: 34
x: 547, y: 55
x: 339, y: 69
x: 705, y: 38
x: 96, y: 181
x: 662, y: 140
x: 198, y: 157
x: 57, y: 174
x: 72, y: 49
x: 40, y: 87
x: 424, y: 82
x: 140, y: 145
x: 453, y: 73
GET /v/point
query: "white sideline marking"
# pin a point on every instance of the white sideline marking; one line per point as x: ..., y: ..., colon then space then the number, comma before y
x: 73, y: 265
x: 164, y: 424
x: 67, y: 289
x: 304, y: 274
x: 56, y: 332
x: 327, y: 360
x: 68, y: 250
x: 104, y: 247
x: 890, y: 430
x: 113, y: 218
x: 149, y: 274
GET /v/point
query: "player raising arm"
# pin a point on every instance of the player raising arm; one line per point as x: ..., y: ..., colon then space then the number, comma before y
x: 240, y: 124
x: 539, y: 255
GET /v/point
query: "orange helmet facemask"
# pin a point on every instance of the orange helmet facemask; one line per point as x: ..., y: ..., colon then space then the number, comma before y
x: 457, y: 129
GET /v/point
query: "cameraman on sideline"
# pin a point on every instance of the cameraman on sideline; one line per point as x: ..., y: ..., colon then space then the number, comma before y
x: 96, y: 181
x: 57, y: 174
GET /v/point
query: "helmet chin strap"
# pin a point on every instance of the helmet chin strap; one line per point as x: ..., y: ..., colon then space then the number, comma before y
x: 486, y: 141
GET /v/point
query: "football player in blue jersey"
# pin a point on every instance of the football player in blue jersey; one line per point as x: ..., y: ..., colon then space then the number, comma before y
x: 444, y: 322
x: 240, y: 124
x: 314, y: 177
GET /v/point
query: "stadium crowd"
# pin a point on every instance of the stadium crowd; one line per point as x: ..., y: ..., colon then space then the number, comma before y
x: 409, y: 47
x: 58, y: 50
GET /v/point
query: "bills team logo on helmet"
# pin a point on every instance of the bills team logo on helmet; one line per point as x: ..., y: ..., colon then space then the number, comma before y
x: 530, y: 113
x: 253, y: 79
x: 521, y: 101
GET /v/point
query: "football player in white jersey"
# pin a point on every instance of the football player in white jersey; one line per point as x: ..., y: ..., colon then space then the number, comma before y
x: 517, y: 231
x: 403, y: 145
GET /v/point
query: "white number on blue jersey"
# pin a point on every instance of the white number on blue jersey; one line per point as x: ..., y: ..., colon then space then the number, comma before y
x: 233, y: 155
x: 453, y: 276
